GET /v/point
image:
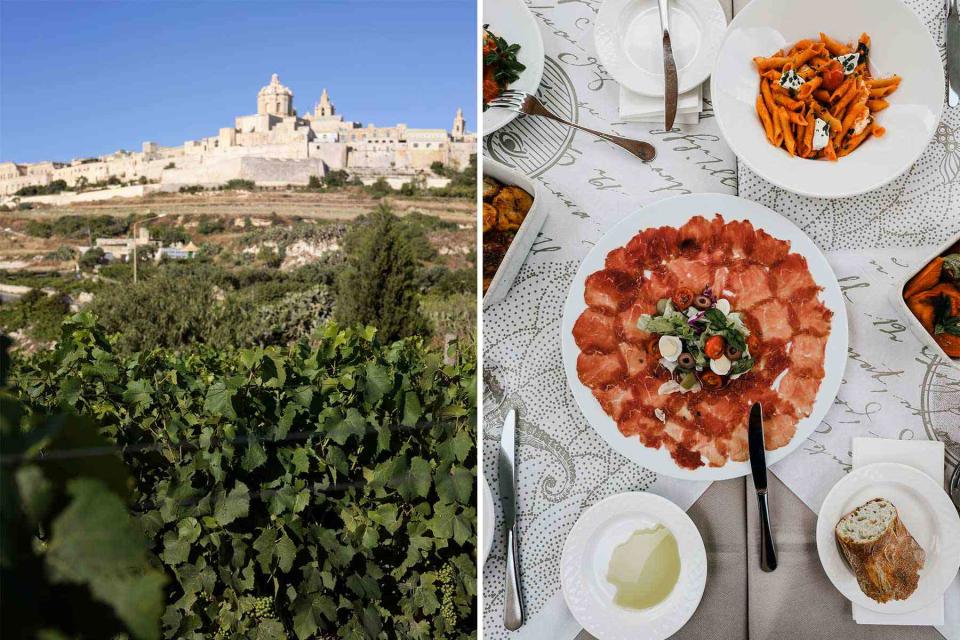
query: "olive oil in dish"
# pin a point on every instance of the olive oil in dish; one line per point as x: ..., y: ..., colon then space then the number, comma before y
x: 645, y: 568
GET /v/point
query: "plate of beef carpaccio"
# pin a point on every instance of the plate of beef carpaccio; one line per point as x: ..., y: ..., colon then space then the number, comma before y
x: 688, y: 312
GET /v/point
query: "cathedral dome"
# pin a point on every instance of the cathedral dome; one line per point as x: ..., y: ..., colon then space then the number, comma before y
x: 275, y: 98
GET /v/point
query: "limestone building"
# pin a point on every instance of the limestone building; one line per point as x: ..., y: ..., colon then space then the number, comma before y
x: 274, y: 146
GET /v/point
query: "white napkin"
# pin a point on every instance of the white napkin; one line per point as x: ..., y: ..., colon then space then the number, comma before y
x: 925, y: 456
x: 639, y: 108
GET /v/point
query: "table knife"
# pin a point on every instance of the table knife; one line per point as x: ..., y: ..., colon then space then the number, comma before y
x: 758, y: 465
x: 513, y: 606
x: 669, y: 69
x: 953, y: 52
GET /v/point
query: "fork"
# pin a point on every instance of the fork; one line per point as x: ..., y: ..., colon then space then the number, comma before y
x: 953, y: 487
x: 528, y: 105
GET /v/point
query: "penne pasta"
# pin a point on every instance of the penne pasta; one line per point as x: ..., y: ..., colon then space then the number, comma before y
x: 818, y: 86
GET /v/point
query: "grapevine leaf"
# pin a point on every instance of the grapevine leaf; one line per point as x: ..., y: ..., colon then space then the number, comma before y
x: 254, y: 456
x: 94, y: 542
x: 352, y: 424
x: 286, y: 552
x: 378, y: 382
x: 36, y: 492
x: 412, y: 409
x: 234, y: 505
x: 219, y: 400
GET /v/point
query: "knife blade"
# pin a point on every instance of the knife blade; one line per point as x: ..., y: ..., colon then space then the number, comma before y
x: 669, y: 69
x: 506, y: 476
x: 953, y: 52
x: 758, y: 466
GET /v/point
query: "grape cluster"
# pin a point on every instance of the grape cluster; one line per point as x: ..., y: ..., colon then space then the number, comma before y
x: 448, y: 590
x: 262, y: 609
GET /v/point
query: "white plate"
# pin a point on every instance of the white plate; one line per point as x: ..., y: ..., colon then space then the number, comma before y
x: 677, y: 211
x: 629, y: 44
x: 899, y: 44
x: 586, y: 555
x: 925, y: 510
x: 489, y: 522
x: 512, y: 21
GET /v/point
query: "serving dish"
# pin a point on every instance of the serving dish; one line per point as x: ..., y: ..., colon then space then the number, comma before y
x: 896, y: 296
x: 901, y: 45
x: 925, y: 510
x: 512, y: 21
x: 525, y: 236
x: 627, y: 35
x: 586, y: 555
x: 679, y: 210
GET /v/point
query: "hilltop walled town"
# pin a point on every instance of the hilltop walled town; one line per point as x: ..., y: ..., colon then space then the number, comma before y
x: 273, y: 147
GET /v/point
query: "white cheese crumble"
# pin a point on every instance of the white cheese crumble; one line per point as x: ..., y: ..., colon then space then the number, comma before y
x: 848, y: 62
x: 790, y: 80
x: 861, y: 122
x: 723, y: 305
x: 821, y: 134
x: 661, y: 416
x: 672, y: 386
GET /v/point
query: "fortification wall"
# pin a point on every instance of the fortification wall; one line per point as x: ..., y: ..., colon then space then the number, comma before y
x: 263, y: 171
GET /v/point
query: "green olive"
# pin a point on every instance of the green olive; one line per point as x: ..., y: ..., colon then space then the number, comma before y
x: 662, y: 305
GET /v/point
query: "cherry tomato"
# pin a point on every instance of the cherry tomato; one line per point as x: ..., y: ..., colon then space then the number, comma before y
x: 832, y: 79
x: 682, y: 298
x: 714, y: 347
x: 710, y: 380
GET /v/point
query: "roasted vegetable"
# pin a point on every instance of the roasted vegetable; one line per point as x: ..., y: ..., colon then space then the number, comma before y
x: 928, y: 277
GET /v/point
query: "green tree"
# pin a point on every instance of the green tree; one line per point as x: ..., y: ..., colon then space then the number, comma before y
x: 380, y: 188
x: 92, y: 257
x: 336, y: 178
x: 378, y: 284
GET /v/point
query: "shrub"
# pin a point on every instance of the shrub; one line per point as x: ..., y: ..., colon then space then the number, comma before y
x: 290, y: 493
x: 55, y: 186
x: 62, y: 254
x: 37, y: 313
x: 380, y: 188
x: 170, y: 165
x: 378, y: 283
x: 113, y: 180
x: 237, y: 183
x: 314, y: 183
x: 336, y: 178
x: 91, y: 258
x: 209, y: 224
x: 168, y: 234
x: 193, y: 188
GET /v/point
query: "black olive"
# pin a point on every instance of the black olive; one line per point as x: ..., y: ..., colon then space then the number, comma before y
x: 732, y: 352
x: 702, y: 302
x: 686, y: 361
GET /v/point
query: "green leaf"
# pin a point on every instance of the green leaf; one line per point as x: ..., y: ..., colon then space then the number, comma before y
x: 138, y: 393
x: 36, y: 492
x: 455, y: 484
x: 219, y: 400
x: 412, y: 409
x: 255, y: 455
x: 286, y: 553
x: 93, y: 542
x: 378, y: 382
x: 352, y: 424
x: 234, y: 505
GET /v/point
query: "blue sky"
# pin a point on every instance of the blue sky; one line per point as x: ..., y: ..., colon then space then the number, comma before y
x: 89, y: 77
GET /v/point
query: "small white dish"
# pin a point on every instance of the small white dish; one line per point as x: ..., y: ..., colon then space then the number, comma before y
x: 629, y: 44
x: 918, y: 329
x: 900, y: 44
x: 675, y: 212
x: 489, y: 522
x: 512, y: 21
x: 586, y: 555
x: 522, y: 242
x: 925, y: 510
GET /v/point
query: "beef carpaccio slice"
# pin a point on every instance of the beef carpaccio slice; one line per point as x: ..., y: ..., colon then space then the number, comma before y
x: 773, y: 290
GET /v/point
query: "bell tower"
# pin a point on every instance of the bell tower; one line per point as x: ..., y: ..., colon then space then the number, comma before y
x: 324, y: 108
x: 459, y: 124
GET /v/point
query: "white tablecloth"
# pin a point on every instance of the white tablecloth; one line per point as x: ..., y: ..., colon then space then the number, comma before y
x: 564, y: 467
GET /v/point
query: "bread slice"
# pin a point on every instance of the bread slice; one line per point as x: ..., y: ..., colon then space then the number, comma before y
x: 883, y: 555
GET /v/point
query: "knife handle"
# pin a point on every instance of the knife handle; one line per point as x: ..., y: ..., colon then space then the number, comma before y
x: 768, y: 552
x: 513, y: 606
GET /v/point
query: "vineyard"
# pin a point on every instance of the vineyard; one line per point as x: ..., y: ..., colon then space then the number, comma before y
x: 322, y: 489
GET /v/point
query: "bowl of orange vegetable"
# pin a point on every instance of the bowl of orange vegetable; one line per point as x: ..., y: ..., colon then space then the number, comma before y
x: 931, y: 297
